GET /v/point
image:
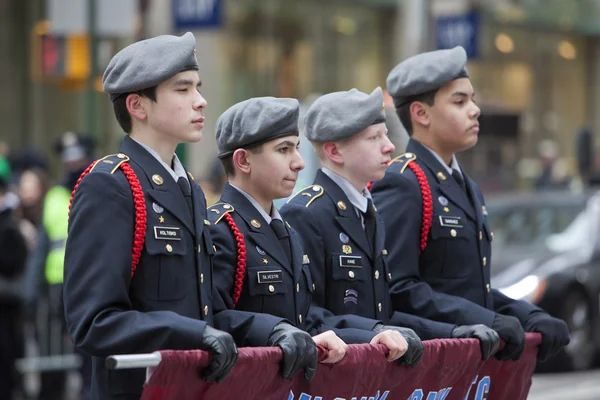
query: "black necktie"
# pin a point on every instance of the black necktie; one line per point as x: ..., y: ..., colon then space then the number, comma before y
x: 184, y: 186
x: 459, y: 179
x: 370, y: 221
x: 282, y: 235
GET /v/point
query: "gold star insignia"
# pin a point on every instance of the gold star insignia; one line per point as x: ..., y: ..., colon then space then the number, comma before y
x: 265, y: 261
x: 161, y: 219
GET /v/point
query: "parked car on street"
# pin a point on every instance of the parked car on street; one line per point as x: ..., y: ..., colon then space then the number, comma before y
x: 546, y: 250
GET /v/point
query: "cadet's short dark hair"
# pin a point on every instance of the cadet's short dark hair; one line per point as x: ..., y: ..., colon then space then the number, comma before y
x: 404, y: 110
x: 228, y: 161
x: 120, y: 107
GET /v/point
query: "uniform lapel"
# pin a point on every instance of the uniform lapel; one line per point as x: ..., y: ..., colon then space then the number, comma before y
x: 476, y: 203
x: 167, y: 194
x: 348, y: 219
x: 446, y: 182
x: 297, y: 254
x: 262, y: 235
x: 379, y: 237
x: 199, y: 207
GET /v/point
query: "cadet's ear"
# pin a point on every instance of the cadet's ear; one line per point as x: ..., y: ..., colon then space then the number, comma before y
x: 241, y: 160
x: 419, y: 113
x: 135, y: 106
x: 332, y: 152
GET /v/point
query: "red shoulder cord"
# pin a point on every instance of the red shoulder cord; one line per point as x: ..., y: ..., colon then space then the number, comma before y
x: 427, y: 203
x: 240, y: 270
x: 140, y: 210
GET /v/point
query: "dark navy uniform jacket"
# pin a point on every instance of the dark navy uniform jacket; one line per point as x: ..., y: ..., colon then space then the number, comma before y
x: 168, y: 302
x: 450, y: 280
x: 354, y: 279
x: 271, y: 285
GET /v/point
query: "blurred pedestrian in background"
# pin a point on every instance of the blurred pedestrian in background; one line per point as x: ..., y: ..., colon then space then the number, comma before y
x: 13, y: 253
x: 44, y: 275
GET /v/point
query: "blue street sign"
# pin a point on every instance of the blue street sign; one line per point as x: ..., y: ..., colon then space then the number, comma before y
x: 458, y: 30
x: 197, y: 14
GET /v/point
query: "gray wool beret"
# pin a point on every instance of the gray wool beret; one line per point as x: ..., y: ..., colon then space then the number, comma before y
x: 147, y: 63
x: 256, y: 121
x: 425, y: 72
x: 340, y: 115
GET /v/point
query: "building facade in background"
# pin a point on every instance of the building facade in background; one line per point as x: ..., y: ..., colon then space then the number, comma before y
x: 534, y: 64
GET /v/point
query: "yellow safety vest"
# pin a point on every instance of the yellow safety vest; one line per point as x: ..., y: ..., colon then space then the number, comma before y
x: 56, y: 222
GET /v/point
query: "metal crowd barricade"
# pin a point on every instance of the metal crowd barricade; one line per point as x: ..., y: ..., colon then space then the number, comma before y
x: 127, y: 361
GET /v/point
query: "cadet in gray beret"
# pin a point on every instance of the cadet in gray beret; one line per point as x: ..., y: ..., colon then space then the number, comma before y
x: 338, y: 223
x: 154, y: 87
x: 259, y: 264
x: 340, y: 115
x: 256, y: 121
x: 436, y: 219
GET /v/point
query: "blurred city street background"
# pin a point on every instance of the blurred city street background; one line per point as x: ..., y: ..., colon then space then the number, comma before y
x: 534, y: 64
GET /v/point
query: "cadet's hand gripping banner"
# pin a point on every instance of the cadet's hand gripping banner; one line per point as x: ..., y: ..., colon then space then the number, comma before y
x: 451, y: 369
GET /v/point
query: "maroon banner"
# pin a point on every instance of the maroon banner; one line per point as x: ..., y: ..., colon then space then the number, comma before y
x: 451, y: 369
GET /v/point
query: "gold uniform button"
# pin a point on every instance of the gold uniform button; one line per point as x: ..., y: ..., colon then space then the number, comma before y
x: 351, y: 274
x: 376, y: 274
x: 199, y: 249
x: 298, y: 287
x: 271, y: 288
x: 488, y: 288
x: 315, y: 189
x: 453, y: 232
x: 480, y: 235
x: 484, y: 261
x: 390, y: 276
x: 300, y: 318
x: 201, y: 278
x: 313, y: 286
x: 379, y: 307
x: 121, y: 155
x: 169, y: 248
x: 205, y: 310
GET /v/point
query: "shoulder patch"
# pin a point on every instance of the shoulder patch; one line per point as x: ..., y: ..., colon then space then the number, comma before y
x: 217, y: 211
x: 401, y: 162
x: 307, y: 195
x: 110, y: 163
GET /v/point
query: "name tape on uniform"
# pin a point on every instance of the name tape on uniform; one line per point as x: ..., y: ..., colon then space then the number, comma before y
x: 351, y: 261
x: 452, y: 222
x: 167, y: 233
x: 270, y: 276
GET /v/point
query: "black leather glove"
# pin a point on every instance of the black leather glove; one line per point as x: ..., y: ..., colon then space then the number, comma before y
x: 555, y: 333
x: 222, y: 347
x: 299, y: 350
x: 489, y: 341
x: 415, y: 346
x: 509, y: 329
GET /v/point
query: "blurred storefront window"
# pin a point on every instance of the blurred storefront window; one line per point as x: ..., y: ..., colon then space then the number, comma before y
x: 297, y: 48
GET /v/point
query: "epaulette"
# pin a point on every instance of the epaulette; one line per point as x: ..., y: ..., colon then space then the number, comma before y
x: 217, y: 211
x: 401, y: 162
x: 307, y: 195
x: 110, y: 163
